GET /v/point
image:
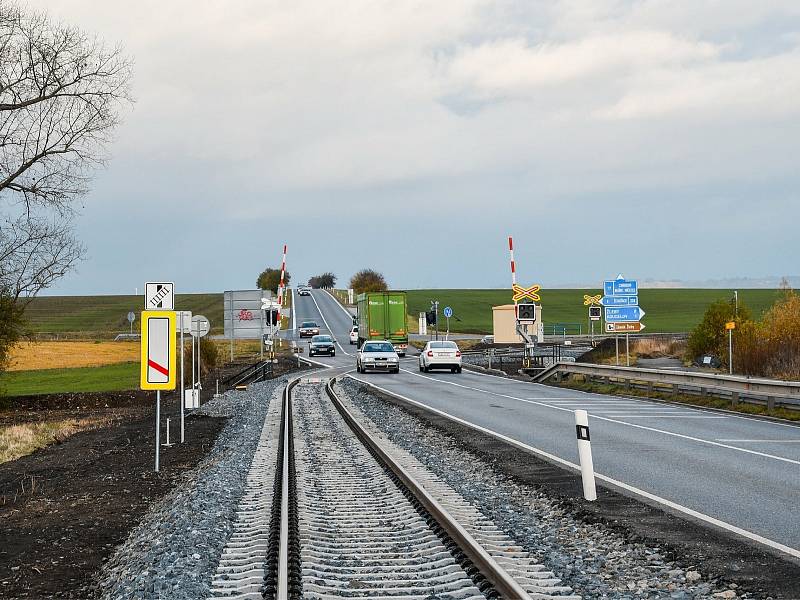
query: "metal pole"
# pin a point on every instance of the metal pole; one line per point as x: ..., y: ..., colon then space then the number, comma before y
x: 193, y: 379
x: 628, y: 349
x: 262, y: 336
x: 616, y: 340
x: 232, y: 322
x: 730, y: 351
x: 182, y: 394
x: 158, y: 427
x: 447, y: 335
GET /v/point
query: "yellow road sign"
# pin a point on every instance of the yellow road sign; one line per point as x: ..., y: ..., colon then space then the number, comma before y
x: 157, y: 371
x: 591, y: 300
x: 730, y: 325
x: 526, y: 293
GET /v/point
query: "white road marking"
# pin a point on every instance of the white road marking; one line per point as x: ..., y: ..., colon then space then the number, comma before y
x: 328, y: 326
x: 762, y: 441
x: 553, y: 458
x: 315, y: 362
x: 339, y: 304
x: 678, y: 435
x: 665, y: 416
x: 594, y: 395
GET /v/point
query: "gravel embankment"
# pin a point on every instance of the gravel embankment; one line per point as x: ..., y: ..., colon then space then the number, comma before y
x: 174, y: 551
x: 595, y: 561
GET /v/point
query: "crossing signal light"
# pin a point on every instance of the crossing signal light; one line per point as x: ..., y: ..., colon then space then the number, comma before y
x: 526, y: 312
x: 595, y: 312
x: 430, y: 317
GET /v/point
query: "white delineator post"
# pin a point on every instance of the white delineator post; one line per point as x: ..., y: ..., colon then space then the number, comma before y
x: 585, y: 455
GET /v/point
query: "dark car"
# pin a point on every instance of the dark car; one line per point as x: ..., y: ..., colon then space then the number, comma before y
x: 322, y: 344
x: 308, y: 329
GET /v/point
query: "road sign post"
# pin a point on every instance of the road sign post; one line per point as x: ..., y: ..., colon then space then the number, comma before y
x: 183, y: 318
x: 448, y: 312
x: 199, y: 328
x: 622, y: 312
x: 131, y: 319
x: 730, y: 326
x: 157, y: 370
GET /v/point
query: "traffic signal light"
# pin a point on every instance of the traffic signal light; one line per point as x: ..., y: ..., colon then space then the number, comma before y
x: 526, y: 312
x: 430, y: 317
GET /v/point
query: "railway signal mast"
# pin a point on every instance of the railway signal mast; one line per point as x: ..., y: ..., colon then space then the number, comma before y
x: 525, y: 312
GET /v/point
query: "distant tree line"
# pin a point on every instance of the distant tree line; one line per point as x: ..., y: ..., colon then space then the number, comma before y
x: 326, y: 280
x: 270, y: 279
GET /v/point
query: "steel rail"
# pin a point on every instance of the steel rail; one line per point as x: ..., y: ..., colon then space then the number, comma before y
x: 282, y: 588
x: 502, y: 582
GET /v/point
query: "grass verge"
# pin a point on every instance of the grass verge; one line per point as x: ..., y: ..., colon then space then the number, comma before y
x: 108, y: 378
x: 708, y: 402
x: 20, y: 440
x: 668, y: 310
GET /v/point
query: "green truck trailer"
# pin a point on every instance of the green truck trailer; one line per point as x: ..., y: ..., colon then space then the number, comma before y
x: 382, y: 316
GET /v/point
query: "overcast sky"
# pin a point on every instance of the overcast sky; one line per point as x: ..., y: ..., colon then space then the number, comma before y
x: 655, y: 138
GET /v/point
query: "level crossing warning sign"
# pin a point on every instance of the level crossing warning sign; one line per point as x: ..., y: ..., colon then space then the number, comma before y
x: 158, y: 350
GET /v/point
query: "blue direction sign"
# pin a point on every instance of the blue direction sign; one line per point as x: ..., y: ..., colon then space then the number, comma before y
x: 618, y: 314
x: 621, y: 287
x: 620, y: 301
x: 448, y: 312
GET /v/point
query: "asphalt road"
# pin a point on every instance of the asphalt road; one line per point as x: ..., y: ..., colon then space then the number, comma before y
x: 742, y: 471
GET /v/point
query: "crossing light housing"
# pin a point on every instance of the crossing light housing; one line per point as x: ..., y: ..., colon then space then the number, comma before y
x: 526, y: 312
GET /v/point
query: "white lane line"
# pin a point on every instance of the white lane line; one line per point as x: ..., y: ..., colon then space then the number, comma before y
x: 678, y: 435
x: 665, y: 416
x: 762, y: 441
x: 731, y: 414
x: 324, y: 320
x: 339, y: 304
x: 552, y: 457
x: 315, y: 362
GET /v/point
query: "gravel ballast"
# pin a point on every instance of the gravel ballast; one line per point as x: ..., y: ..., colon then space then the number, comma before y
x: 595, y: 560
x: 174, y: 551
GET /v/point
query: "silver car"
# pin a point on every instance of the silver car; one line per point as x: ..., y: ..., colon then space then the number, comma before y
x: 377, y: 356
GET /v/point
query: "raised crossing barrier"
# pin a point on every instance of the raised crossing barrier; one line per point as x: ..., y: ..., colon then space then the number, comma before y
x: 767, y: 392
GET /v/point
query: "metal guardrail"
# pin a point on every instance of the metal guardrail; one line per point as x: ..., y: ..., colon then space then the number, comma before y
x: 769, y: 392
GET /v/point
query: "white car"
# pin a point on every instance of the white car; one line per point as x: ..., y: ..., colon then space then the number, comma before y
x: 377, y: 356
x: 354, y: 335
x: 440, y: 355
x: 303, y: 290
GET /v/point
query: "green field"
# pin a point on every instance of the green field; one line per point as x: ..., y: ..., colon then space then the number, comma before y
x: 121, y: 376
x: 96, y: 315
x: 668, y: 310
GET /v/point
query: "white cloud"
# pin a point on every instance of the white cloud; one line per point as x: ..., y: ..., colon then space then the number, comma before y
x: 265, y: 98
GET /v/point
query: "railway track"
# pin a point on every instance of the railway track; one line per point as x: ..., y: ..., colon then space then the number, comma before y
x: 353, y: 516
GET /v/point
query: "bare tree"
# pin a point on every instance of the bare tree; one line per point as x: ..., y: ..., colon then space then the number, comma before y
x: 61, y: 92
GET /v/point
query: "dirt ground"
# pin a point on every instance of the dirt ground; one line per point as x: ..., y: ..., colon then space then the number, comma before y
x: 64, y: 508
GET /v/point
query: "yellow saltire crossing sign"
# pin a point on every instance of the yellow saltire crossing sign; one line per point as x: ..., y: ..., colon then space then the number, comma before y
x: 526, y: 293
x: 591, y: 300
